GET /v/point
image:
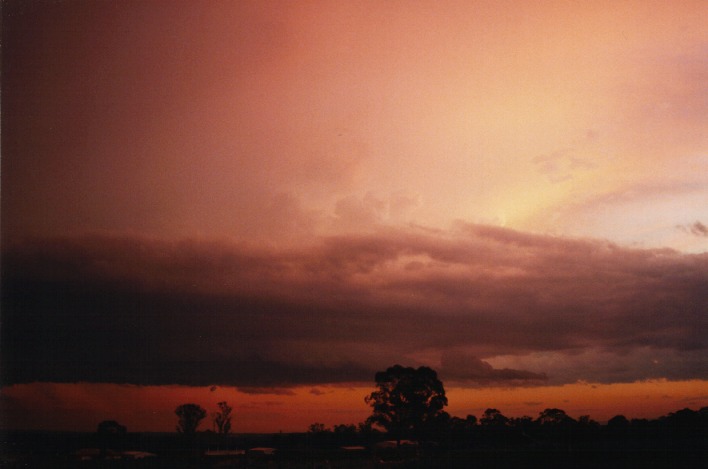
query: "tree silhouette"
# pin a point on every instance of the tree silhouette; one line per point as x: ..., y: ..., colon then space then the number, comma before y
x: 222, y: 418
x: 317, y: 428
x: 618, y: 422
x: 493, y: 418
x: 586, y: 421
x: 407, y: 401
x: 111, y: 427
x: 554, y: 417
x: 190, y: 415
x: 111, y: 435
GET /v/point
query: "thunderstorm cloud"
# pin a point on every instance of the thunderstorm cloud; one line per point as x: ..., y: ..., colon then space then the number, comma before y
x: 482, y: 304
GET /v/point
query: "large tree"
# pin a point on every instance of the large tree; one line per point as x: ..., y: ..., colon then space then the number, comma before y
x: 189, y: 417
x: 408, y: 401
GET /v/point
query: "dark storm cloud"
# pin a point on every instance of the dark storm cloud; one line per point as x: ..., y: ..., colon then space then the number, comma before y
x: 147, y: 311
x: 466, y: 368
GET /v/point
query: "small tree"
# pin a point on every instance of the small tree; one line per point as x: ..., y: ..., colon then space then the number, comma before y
x: 408, y: 400
x: 319, y: 434
x: 317, y: 428
x: 586, y: 421
x: 618, y: 421
x: 190, y: 415
x: 111, y: 435
x: 494, y: 418
x: 111, y: 428
x: 222, y: 418
x: 554, y: 417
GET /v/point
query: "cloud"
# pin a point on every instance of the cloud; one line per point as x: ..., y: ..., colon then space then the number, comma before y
x: 356, y: 214
x: 466, y: 368
x: 563, y: 164
x: 131, y: 309
x: 697, y: 229
x: 352, y: 212
x: 606, y: 365
x: 647, y: 211
x: 278, y: 391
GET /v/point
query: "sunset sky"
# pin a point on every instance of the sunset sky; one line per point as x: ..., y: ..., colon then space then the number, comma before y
x: 267, y: 202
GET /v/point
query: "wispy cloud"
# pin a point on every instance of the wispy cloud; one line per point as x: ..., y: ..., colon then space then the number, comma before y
x: 697, y: 228
x: 562, y: 164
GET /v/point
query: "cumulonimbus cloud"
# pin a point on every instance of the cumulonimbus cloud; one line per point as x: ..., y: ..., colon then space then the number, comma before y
x: 140, y: 310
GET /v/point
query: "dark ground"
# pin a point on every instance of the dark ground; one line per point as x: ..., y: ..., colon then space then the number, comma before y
x: 504, y: 449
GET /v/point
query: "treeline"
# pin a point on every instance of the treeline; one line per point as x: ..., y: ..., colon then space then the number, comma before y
x: 552, y: 429
x: 408, y: 407
x: 408, y: 404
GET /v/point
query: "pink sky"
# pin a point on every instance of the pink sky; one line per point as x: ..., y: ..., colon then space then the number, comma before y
x: 513, y: 193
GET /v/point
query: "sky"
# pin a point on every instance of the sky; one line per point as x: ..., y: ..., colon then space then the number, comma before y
x: 269, y: 202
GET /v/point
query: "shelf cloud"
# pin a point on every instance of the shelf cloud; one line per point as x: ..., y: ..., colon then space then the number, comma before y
x: 131, y: 309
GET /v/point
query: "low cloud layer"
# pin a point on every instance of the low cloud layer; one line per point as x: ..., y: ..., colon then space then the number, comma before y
x: 465, y: 368
x: 483, y: 305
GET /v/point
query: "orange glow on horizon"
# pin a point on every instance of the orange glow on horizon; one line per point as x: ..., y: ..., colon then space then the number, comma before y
x: 80, y: 407
x: 645, y: 399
